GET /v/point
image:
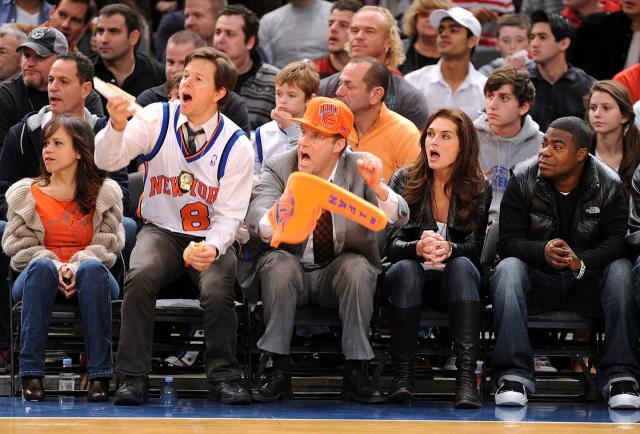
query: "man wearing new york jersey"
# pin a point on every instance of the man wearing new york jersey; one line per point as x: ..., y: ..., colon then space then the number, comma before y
x: 198, y: 181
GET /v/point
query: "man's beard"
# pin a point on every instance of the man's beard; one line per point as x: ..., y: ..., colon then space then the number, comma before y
x: 32, y: 82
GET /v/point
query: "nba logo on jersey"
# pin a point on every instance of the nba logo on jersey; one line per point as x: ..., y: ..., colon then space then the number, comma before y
x: 213, y: 160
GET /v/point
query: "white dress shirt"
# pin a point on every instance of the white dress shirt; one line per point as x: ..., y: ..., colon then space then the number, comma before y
x: 469, y: 97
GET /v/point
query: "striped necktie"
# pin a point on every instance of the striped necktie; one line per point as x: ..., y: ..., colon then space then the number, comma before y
x: 191, y: 138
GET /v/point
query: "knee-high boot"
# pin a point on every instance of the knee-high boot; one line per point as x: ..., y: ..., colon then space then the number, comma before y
x: 465, y: 327
x: 405, y: 323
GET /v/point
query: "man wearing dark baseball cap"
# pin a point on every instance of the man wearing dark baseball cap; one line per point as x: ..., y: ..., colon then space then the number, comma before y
x: 27, y: 93
x: 336, y: 267
x: 45, y: 41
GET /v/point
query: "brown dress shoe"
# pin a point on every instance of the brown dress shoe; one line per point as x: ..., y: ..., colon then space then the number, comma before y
x: 98, y: 390
x: 32, y: 389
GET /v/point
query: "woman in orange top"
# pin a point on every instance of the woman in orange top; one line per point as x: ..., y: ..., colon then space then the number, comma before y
x: 63, y: 232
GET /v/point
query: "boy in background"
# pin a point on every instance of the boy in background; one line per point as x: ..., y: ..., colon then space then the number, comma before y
x: 296, y: 84
x: 512, y: 43
x: 506, y: 132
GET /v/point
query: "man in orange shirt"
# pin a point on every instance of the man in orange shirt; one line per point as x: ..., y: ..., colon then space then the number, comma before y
x: 386, y: 134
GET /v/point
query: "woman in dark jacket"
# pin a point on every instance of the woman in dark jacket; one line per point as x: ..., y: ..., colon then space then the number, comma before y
x: 436, y: 255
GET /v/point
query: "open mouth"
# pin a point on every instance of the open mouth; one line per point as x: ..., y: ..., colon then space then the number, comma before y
x: 54, y: 99
x: 304, y: 157
x: 186, y: 97
x: 433, y: 154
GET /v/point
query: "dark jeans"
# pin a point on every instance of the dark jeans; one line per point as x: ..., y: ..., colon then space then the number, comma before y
x: 518, y: 289
x: 410, y: 283
x: 156, y: 261
x: 37, y: 287
x: 130, y: 229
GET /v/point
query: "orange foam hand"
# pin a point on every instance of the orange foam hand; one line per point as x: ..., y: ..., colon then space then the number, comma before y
x: 295, y: 214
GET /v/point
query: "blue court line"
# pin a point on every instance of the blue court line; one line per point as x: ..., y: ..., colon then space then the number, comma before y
x: 320, y: 409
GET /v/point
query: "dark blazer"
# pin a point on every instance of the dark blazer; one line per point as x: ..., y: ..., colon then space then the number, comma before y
x: 350, y: 236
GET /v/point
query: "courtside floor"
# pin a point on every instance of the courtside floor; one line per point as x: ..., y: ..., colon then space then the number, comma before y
x: 309, y: 416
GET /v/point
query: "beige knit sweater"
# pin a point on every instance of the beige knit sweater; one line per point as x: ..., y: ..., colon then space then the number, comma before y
x: 23, y: 237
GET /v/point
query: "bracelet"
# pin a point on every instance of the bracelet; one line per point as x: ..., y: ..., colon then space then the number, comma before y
x: 450, y: 250
x: 580, y: 273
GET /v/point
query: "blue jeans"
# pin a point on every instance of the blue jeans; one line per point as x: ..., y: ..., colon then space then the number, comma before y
x: 130, y: 232
x: 410, y: 283
x: 518, y: 289
x: 37, y: 287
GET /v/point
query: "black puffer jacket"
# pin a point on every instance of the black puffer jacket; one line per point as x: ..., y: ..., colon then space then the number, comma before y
x: 529, y: 216
x: 633, y: 234
x: 466, y: 239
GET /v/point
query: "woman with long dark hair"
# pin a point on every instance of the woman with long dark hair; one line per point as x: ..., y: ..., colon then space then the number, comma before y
x: 63, y: 232
x: 609, y: 113
x: 435, y: 256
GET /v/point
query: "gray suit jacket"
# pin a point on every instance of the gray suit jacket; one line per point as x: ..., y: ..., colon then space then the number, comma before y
x: 350, y: 236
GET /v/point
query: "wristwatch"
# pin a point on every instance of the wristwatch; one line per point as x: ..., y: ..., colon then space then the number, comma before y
x: 580, y: 273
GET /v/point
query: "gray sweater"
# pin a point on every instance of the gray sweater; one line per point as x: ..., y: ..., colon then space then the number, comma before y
x: 292, y: 33
x: 499, y: 155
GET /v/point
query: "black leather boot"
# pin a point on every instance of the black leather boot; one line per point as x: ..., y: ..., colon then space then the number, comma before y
x: 465, y: 328
x: 356, y: 385
x: 405, y: 323
x: 272, y: 386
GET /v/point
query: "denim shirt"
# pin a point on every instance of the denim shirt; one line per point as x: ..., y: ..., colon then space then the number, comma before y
x: 8, y: 11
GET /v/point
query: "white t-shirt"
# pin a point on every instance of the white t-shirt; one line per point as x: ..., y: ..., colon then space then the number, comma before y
x: 25, y: 17
x: 633, y: 55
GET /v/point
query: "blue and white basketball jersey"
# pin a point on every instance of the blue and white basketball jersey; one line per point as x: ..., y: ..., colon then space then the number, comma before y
x: 180, y: 190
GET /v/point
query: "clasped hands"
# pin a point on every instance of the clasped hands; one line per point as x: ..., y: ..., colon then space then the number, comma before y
x: 66, y: 281
x: 433, y: 248
x: 559, y: 255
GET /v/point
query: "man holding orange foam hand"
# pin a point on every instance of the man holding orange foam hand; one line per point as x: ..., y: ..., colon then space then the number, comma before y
x: 337, y: 266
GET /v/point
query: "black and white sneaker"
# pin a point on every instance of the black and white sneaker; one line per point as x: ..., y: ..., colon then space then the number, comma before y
x: 511, y: 393
x: 624, y: 394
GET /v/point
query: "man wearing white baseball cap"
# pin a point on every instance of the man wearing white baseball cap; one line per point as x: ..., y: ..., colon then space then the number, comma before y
x: 453, y: 81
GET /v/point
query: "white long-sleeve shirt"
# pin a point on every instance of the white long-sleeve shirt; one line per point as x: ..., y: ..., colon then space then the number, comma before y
x: 213, y: 201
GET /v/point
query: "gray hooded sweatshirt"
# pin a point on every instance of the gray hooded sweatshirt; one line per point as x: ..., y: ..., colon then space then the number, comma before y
x: 499, y: 155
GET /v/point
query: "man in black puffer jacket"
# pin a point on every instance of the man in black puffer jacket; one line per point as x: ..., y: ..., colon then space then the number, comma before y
x: 563, y: 219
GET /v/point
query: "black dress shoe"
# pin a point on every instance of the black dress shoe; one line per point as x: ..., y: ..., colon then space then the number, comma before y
x: 229, y: 391
x: 272, y: 386
x: 134, y: 390
x: 98, y: 390
x: 32, y: 389
x: 357, y: 387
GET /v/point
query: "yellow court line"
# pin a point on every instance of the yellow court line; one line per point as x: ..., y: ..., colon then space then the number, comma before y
x: 287, y: 426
